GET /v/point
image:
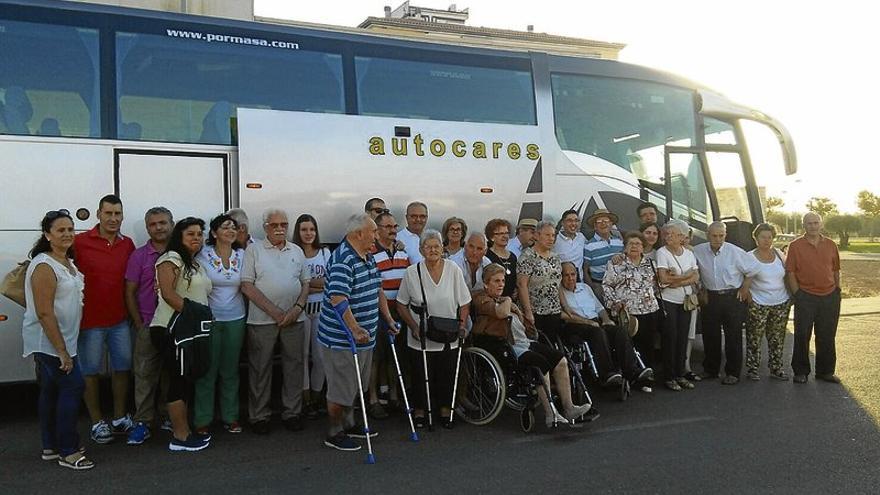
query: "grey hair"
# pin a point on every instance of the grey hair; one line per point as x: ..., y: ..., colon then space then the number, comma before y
x: 239, y: 215
x: 414, y: 204
x: 717, y: 225
x: 159, y: 210
x: 429, y: 234
x: 477, y: 234
x: 810, y: 213
x: 356, y: 222
x: 268, y: 212
x: 678, y: 225
x: 544, y: 224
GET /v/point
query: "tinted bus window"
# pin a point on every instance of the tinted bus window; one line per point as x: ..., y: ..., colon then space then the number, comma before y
x: 48, y: 80
x: 187, y: 90
x: 424, y: 90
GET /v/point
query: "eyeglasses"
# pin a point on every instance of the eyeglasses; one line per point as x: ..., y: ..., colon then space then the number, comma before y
x: 380, y: 211
x: 276, y: 226
x: 502, y: 233
x: 53, y: 214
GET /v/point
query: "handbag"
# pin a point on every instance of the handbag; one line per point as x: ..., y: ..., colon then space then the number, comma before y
x: 13, y: 283
x: 692, y: 300
x: 627, y: 322
x: 438, y: 329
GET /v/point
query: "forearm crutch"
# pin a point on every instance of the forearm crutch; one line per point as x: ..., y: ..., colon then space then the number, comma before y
x: 422, y: 338
x: 409, y: 412
x: 339, y: 310
x: 455, y: 383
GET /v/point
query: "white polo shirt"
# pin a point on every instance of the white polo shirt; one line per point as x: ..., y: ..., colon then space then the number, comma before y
x: 725, y: 269
x: 280, y: 274
x: 411, y: 244
x: 476, y: 284
x: 582, y: 301
x: 571, y: 250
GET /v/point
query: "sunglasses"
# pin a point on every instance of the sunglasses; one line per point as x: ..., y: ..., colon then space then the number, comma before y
x: 380, y: 211
x: 53, y: 214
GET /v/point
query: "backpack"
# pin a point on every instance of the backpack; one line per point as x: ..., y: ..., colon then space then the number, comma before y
x: 13, y: 283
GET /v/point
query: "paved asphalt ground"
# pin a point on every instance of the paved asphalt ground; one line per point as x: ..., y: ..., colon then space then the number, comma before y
x: 764, y: 437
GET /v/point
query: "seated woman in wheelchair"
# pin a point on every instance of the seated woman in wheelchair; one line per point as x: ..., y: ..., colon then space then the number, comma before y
x: 500, y: 325
x: 586, y: 320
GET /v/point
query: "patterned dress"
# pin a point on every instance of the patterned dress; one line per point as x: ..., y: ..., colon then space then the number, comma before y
x: 545, y: 276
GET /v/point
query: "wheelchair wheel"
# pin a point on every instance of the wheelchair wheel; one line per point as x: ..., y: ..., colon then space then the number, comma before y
x: 482, y: 385
x: 527, y: 420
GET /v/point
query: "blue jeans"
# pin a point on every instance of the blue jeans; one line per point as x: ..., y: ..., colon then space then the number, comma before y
x: 60, y: 396
x: 90, y: 348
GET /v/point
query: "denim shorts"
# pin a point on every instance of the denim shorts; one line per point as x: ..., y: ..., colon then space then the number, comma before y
x: 94, y: 342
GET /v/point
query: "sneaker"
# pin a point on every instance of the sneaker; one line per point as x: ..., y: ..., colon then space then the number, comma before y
x: 192, y: 444
x: 101, y: 432
x: 646, y: 375
x: 166, y: 425
x: 341, y: 441
x: 357, y: 431
x: 294, y: 423
x: 123, y: 425
x: 138, y: 434
x: 613, y: 379
x: 233, y: 427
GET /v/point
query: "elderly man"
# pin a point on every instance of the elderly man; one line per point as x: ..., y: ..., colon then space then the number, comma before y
x: 601, y: 247
x: 416, y: 219
x: 570, y: 242
x: 391, y: 261
x: 813, y: 273
x: 141, y: 302
x: 647, y: 213
x: 586, y: 319
x: 351, y: 307
x: 472, y: 259
x: 723, y: 268
x: 525, y: 236
x: 272, y: 278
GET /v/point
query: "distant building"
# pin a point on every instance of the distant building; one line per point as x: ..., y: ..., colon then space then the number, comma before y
x: 449, y: 16
x: 230, y: 9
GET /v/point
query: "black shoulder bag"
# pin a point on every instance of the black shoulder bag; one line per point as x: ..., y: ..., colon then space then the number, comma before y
x: 442, y: 330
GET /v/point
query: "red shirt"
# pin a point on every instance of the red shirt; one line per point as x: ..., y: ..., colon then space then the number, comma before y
x: 813, y: 266
x: 103, y: 265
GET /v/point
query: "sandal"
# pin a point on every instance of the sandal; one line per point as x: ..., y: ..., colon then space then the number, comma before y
x: 673, y: 385
x: 690, y: 375
x: 76, y: 461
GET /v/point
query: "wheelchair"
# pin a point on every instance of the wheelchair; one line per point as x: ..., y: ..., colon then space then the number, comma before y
x: 491, y: 379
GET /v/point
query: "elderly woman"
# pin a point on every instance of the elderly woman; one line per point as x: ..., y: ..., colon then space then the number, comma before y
x: 498, y: 231
x: 632, y: 285
x: 180, y: 276
x: 769, y: 307
x: 651, y: 234
x: 435, y: 288
x: 499, y: 319
x: 678, y: 273
x: 54, y: 296
x: 454, y: 231
x: 222, y: 259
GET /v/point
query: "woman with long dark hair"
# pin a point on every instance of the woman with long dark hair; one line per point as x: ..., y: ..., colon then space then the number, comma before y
x: 306, y: 236
x: 54, y: 296
x: 180, y: 276
x: 222, y: 259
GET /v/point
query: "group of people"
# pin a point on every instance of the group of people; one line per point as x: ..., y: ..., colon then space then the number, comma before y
x: 524, y: 290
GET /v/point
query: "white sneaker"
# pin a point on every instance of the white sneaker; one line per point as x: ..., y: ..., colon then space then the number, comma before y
x: 101, y: 432
x: 123, y: 425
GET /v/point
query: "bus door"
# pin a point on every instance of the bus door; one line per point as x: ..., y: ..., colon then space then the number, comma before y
x: 187, y: 183
x: 732, y: 186
x: 685, y: 184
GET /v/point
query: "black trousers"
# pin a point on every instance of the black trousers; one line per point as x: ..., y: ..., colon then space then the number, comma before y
x: 650, y: 325
x: 674, y: 340
x: 441, y: 374
x: 724, y: 312
x: 821, y: 313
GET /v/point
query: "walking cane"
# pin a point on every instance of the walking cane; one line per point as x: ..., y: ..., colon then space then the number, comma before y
x: 338, y: 310
x: 455, y: 383
x: 409, y: 412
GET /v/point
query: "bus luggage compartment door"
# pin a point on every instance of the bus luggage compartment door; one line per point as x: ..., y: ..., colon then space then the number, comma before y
x: 187, y: 183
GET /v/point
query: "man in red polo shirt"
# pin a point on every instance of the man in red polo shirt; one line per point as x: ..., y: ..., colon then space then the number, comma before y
x: 813, y: 273
x: 102, y: 255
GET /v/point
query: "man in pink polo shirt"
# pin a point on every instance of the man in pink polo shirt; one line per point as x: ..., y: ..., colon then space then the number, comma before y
x: 102, y: 255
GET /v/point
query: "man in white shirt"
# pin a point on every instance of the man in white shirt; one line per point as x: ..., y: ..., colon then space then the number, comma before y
x: 416, y: 219
x: 472, y: 259
x: 525, y: 236
x: 570, y: 242
x: 723, y: 269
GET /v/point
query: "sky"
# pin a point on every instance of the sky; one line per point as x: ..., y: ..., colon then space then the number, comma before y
x: 811, y: 65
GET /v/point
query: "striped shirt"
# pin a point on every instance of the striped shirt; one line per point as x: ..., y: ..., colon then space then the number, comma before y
x: 598, y: 251
x: 392, y: 267
x: 356, y: 279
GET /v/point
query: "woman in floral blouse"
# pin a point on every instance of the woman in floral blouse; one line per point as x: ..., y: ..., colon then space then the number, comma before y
x: 539, y: 278
x: 222, y: 258
x: 632, y: 284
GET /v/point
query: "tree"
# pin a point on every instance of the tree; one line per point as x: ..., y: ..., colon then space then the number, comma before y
x: 822, y: 206
x: 869, y: 203
x: 772, y: 205
x: 844, y: 226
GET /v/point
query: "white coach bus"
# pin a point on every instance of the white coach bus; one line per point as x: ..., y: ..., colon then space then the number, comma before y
x: 201, y: 114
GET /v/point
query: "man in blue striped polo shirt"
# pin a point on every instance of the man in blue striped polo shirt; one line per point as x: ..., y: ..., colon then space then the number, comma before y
x: 352, y: 295
x: 599, y: 249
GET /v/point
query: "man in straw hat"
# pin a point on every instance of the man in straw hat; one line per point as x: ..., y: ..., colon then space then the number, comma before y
x: 604, y: 244
x: 525, y: 236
